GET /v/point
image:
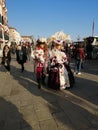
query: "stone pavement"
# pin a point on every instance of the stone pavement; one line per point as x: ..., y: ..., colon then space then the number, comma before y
x: 24, y: 107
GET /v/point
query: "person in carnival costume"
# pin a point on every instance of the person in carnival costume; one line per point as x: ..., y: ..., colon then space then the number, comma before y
x: 40, y: 65
x: 58, y: 75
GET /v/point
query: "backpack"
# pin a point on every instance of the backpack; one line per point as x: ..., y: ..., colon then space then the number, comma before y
x: 20, y: 55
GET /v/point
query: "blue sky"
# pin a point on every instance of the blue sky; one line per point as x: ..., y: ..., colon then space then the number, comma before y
x: 43, y: 18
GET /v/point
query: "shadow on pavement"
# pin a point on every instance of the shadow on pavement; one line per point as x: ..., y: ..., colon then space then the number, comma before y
x: 11, y: 118
x: 86, y: 89
x: 65, y: 107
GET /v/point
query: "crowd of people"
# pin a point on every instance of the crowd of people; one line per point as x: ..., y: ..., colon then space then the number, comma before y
x: 51, y: 61
x: 22, y: 52
x: 55, y: 61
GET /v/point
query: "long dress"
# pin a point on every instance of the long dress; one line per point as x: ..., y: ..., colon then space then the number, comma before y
x: 58, y: 75
x: 39, y: 58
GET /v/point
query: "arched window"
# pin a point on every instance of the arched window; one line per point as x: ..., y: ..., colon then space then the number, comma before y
x: 0, y: 18
x: 6, y: 36
x: 0, y: 14
x: 0, y: 33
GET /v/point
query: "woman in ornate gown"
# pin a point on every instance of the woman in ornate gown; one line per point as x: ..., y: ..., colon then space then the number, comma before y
x: 58, y: 75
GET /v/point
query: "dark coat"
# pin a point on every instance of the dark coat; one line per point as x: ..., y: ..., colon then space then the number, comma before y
x: 6, y: 58
x: 21, y: 56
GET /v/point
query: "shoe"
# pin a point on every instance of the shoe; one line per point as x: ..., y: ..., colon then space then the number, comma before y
x: 79, y: 73
x: 62, y: 88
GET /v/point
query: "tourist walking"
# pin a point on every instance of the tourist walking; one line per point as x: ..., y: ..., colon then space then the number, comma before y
x: 21, y: 56
x: 6, y: 58
x: 28, y: 50
x: 79, y: 58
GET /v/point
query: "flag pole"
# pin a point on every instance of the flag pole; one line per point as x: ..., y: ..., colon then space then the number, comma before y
x: 93, y: 28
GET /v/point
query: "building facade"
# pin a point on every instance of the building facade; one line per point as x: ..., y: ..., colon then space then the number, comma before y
x: 14, y: 36
x: 27, y: 39
x: 4, y: 30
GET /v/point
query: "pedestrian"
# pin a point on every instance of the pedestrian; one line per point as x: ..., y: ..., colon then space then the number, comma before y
x: 58, y: 75
x: 39, y: 55
x: 28, y: 49
x: 6, y: 58
x: 79, y: 58
x: 21, y: 56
